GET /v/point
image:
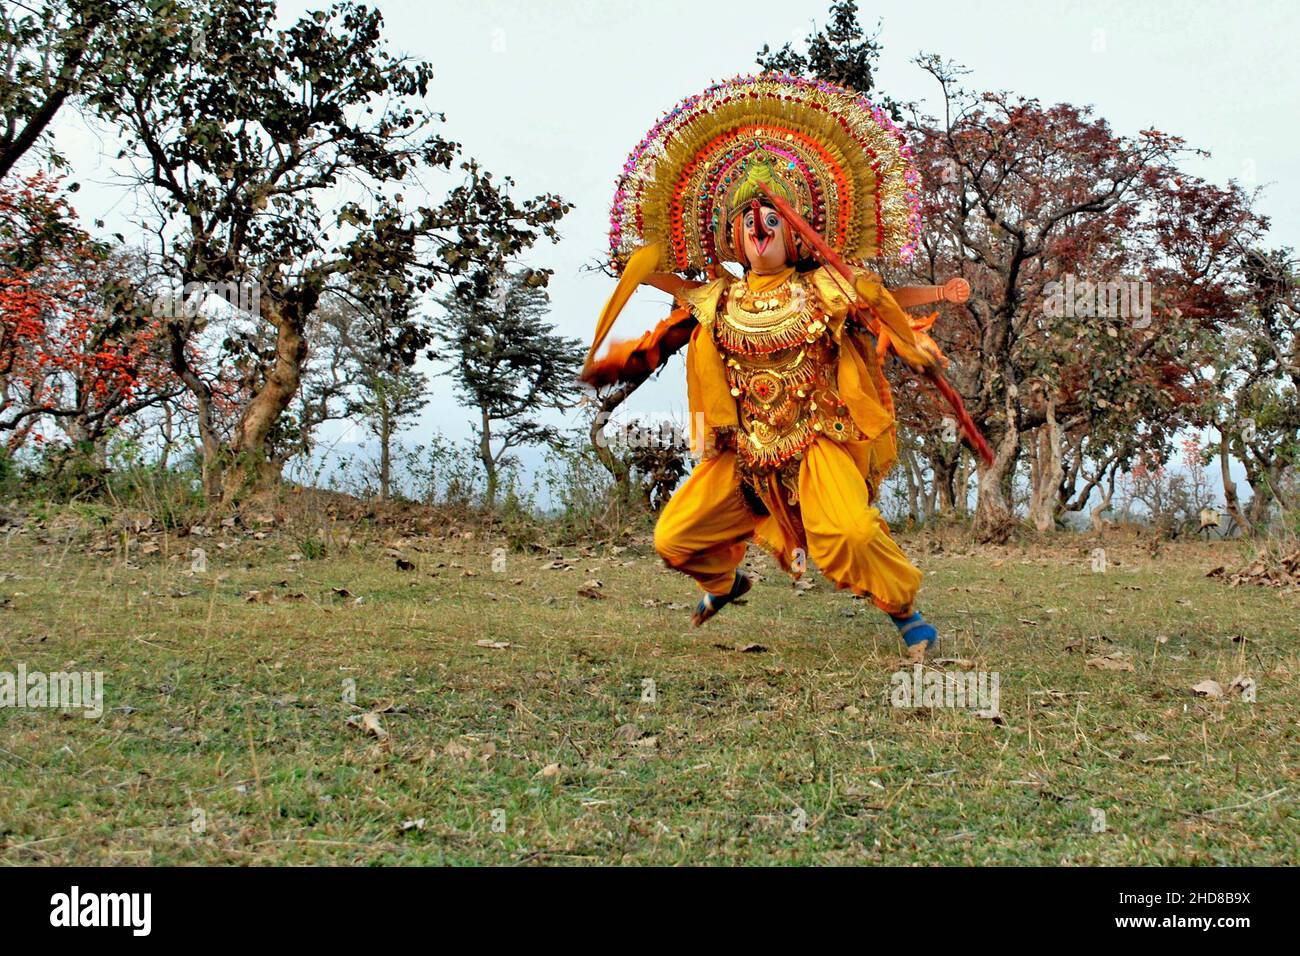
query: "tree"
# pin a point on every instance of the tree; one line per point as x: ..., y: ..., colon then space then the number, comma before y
x: 1257, y: 375
x: 50, y: 50
x: 841, y: 53
x: 244, y: 132
x: 1023, y: 199
x: 385, y: 391
x: 77, y: 347
x: 508, y: 364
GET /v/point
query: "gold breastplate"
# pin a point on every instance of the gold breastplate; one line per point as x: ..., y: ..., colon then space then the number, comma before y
x: 781, y: 366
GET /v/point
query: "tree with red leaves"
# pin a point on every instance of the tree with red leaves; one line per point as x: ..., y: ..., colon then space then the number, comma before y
x: 1095, y: 267
x: 75, y: 350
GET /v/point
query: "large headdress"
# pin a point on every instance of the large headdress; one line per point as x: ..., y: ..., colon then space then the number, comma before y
x: 833, y: 156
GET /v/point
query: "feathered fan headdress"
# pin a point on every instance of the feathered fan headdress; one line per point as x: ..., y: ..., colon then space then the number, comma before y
x: 836, y: 158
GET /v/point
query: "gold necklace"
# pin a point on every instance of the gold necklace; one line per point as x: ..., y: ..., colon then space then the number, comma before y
x: 758, y: 322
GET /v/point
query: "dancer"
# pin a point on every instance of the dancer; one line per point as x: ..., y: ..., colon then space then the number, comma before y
x: 790, y: 411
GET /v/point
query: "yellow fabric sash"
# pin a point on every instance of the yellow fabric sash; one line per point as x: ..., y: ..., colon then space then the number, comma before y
x: 639, y: 266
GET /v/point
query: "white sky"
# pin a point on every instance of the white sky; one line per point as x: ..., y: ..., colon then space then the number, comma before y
x: 555, y: 93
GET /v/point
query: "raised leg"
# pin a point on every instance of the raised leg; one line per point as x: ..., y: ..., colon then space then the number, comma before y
x: 704, y: 529
x: 850, y: 542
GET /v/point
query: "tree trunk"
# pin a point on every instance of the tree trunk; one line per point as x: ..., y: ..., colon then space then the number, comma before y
x: 911, y: 478
x: 385, y: 447
x: 1266, y: 482
x: 1048, y: 472
x: 209, y: 442
x: 1276, y: 476
x: 1098, y: 524
x: 962, y: 486
x: 616, y: 468
x: 89, y: 443
x: 943, y: 466
x: 1257, y: 512
x: 993, y: 518
x: 167, y: 430
x: 992, y: 510
x: 929, y: 497
x: 251, y: 466
x: 489, y: 462
x: 1230, y: 499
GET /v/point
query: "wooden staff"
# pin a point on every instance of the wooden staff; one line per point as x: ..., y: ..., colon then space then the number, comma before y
x: 831, y: 258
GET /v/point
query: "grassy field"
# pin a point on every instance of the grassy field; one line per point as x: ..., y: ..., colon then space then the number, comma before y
x: 353, y: 712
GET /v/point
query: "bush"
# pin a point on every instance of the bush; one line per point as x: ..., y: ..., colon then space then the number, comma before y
x: 9, y: 478
x: 584, y: 501
x: 172, y: 496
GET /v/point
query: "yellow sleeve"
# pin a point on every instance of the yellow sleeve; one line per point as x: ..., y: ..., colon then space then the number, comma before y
x: 713, y: 409
x: 871, y: 292
x: 709, y: 397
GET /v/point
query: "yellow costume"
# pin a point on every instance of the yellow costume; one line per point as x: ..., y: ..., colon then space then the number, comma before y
x: 797, y: 430
x: 790, y: 412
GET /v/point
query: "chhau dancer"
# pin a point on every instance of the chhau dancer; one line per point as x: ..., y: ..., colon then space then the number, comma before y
x: 790, y: 411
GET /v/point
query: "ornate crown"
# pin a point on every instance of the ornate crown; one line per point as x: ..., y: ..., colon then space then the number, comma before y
x: 836, y: 158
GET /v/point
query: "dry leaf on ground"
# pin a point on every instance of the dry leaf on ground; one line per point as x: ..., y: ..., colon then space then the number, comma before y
x: 1208, y: 688
x: 1109, y: 662
x: 370, y: 724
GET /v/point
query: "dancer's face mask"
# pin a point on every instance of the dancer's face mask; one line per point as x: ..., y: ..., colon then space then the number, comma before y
x: 764, y: 239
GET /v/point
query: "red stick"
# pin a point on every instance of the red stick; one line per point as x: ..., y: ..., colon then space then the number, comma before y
x: 829, y: 256
x: 967, y: 424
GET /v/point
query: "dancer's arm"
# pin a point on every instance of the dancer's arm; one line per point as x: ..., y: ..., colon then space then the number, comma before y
x: 636, y: 359
x: 954, y: 290
x: 893, y: 326
x: 886, y: 308
x: 674, y: 285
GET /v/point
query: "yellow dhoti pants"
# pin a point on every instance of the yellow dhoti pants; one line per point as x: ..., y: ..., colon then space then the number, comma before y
x: 704, y: 529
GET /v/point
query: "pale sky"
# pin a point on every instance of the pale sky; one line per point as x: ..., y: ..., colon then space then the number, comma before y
x: 555, y: 93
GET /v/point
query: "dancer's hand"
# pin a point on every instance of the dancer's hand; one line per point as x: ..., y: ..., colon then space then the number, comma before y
x: 602, y: 372
x: 956, y: 290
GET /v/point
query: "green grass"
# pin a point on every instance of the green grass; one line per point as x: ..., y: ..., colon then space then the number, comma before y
x: 236, y: 709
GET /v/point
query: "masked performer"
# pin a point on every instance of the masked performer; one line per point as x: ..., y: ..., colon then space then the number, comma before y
x: 790, y: 411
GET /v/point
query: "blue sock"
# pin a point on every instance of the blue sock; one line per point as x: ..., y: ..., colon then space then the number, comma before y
x: 914, y: 628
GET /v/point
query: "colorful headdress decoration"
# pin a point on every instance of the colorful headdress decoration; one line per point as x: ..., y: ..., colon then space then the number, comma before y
x: 837, y: 159
x: 762, y: 170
